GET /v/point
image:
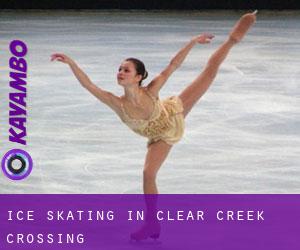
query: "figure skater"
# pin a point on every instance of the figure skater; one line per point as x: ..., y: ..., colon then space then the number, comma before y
x: 161, y: 121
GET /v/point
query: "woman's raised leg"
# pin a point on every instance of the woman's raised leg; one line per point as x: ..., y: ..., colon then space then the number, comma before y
x: 198, y: 87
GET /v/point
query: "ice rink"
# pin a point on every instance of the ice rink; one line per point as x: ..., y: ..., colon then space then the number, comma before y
x: 242, y: 137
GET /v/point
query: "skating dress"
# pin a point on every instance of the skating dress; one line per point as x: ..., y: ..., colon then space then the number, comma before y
x: 165, y: 123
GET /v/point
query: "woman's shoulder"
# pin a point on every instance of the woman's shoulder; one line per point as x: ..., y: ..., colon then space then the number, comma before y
x: 150, y: 92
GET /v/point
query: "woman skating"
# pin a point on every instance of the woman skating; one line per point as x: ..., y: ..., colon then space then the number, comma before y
x: 161, y: 121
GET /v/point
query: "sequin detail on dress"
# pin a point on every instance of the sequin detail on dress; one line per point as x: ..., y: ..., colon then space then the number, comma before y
x: 165, y: 123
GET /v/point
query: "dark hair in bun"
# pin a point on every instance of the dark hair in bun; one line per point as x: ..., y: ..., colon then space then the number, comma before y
x: 139, y: 67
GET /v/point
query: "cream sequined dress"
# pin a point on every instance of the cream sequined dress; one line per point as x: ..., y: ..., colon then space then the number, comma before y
x: 165, y: 123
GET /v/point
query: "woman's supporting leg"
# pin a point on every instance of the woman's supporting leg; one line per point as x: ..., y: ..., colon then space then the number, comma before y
x: 157, y: 153
x: 198, y: 87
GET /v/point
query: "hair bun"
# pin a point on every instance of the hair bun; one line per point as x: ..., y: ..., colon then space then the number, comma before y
x: 139, y: 67
x: 145, y: 75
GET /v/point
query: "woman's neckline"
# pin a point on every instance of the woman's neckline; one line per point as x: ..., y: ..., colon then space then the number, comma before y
x: 154, y: 99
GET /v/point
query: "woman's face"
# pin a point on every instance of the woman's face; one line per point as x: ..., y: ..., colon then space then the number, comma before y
x: 127, y: 74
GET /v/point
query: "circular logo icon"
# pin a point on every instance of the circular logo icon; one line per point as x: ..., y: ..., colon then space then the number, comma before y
x: 17, y: 164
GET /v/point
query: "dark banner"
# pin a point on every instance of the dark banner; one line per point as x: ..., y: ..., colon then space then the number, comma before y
x: 150, y: 4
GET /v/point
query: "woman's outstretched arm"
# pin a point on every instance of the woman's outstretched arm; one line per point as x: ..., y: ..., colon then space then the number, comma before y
x: 156, y: 84
x: 104, y: 96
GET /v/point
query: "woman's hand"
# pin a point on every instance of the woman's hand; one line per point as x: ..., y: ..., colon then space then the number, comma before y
x: 61, y: 58
x: 203, y: 38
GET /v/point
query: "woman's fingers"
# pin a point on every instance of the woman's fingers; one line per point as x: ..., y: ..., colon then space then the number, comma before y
x: 58, y: 54
x: 209, y: 38
x: 205, y: 38
x: 58, y: 57
x: 208, y: 35
x: 53, y: 58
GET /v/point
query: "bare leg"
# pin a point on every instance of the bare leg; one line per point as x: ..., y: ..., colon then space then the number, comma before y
x: 198, y: 87
x: 157, y: 153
